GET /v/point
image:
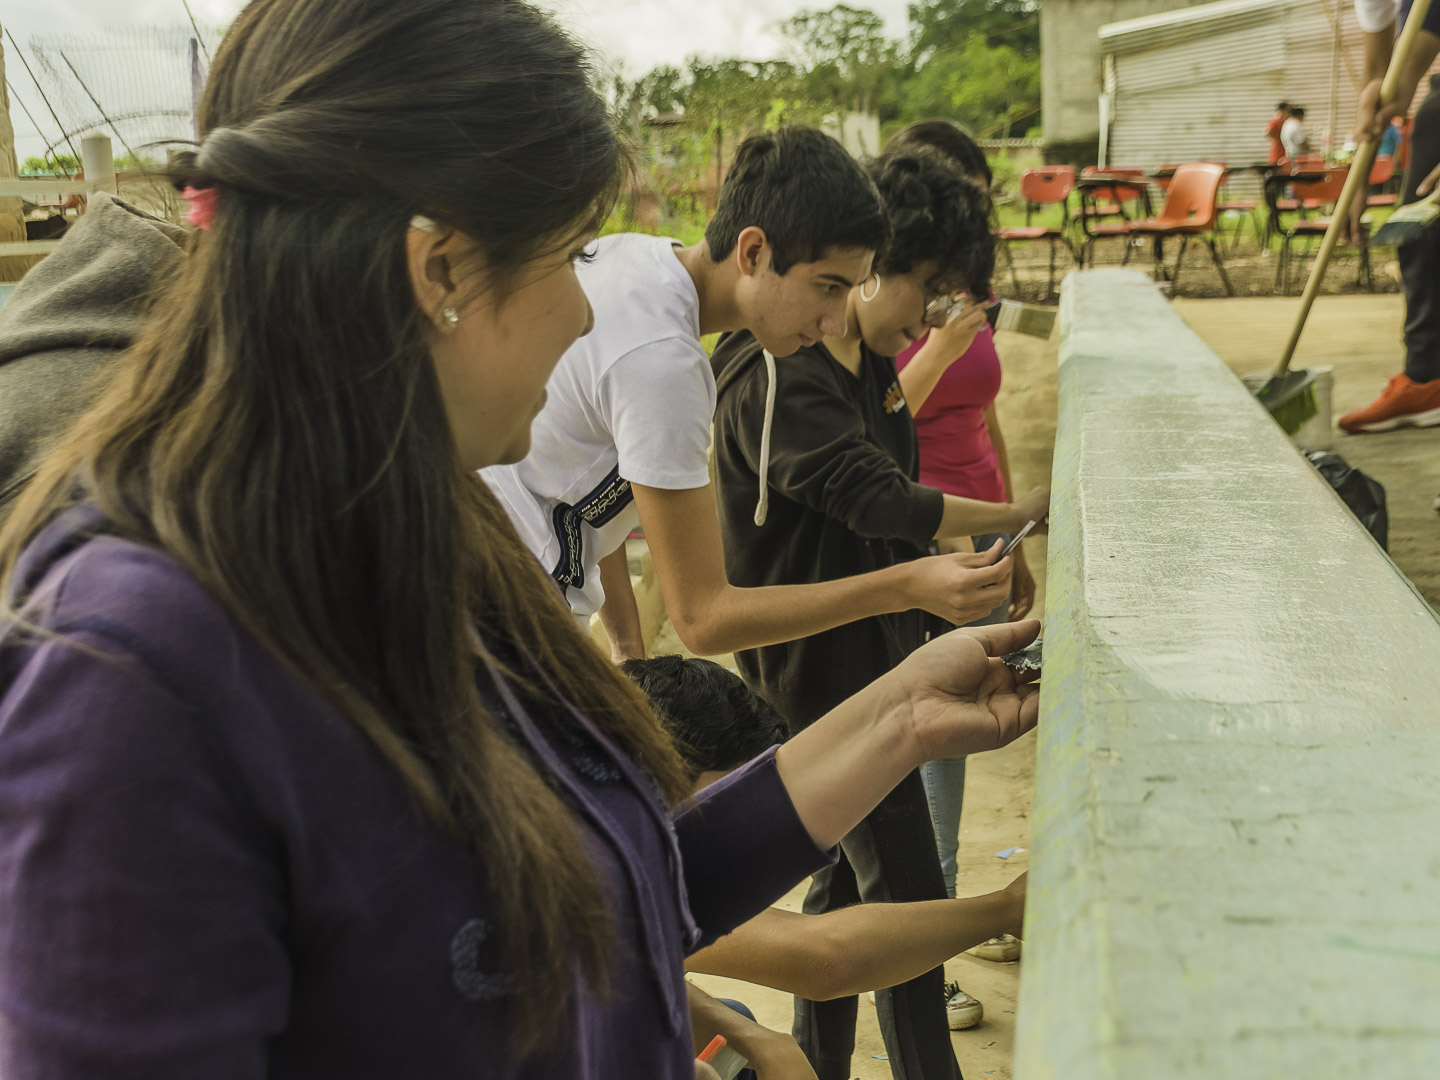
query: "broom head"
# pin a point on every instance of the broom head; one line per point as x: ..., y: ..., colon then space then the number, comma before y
x: 1408, y: 223
x: 1290, y: 399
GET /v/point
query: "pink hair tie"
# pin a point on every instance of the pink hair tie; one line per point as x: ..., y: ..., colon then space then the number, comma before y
x: 202, y: 205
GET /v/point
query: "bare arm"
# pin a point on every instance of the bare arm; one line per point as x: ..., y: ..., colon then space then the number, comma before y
x: 1371, y: 114
x: 620, y: 615
x: 773, y: 1055
x: 712, y: 616
x: 860, y: 948
x: 942, y: 348
x: 969, y: 517
x: 949, y: 698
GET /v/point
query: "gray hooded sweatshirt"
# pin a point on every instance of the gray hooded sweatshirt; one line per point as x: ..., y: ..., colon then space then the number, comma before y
x: 66, y: 323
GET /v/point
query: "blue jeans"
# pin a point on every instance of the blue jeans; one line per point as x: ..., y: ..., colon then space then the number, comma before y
x: 945, y: 777
x: 743, y: 1074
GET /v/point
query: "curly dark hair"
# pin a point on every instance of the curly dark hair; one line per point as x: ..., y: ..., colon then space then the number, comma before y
x: 936, y: 215
x: 717, y: 722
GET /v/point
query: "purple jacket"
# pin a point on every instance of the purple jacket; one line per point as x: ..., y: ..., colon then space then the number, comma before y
x: 206, y: 871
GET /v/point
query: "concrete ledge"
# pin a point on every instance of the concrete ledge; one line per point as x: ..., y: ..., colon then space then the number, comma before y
x: 1236, y: 835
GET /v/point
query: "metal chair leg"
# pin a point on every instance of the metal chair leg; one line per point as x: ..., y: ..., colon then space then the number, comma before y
x: 1175, y: 277
x: 1010, y: 262
x: 1050, y: 285
x: 1215, y: 255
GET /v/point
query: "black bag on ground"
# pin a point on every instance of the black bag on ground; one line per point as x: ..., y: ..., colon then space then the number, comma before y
x: 1364, y: 495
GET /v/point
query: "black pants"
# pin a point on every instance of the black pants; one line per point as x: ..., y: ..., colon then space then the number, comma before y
x: 1420, y: 259
x: 889, y: 858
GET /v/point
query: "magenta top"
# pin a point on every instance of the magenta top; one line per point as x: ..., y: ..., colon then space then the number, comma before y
x: 956, y: 453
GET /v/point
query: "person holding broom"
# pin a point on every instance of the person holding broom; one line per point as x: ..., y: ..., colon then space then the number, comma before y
x: 1412, y: 396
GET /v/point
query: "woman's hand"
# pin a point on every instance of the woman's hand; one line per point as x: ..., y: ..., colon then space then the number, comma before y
x: 953, y: 340
x: 777, y: 1056
x: 949, y: 698
x: 958, y: 698
x: 1022, y: 585
x: 1032, y: 507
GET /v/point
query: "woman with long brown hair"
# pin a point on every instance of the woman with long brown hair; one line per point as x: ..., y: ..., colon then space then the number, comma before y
x: 304, y: 769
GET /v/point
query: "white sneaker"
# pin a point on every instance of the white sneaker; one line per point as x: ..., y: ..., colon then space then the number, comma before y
x: 1000, y: 949
x: 961, y: 1010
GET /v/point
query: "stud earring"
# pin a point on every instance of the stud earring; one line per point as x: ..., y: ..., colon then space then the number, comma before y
x: 451, y: 317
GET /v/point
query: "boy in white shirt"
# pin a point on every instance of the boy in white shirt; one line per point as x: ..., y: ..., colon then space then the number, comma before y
x: 623, y: 439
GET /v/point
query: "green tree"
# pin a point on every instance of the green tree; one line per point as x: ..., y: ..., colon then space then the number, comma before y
x: 937, y: 25
x: 988, y: 88
x: 849, y: 62
x: 56, y: 163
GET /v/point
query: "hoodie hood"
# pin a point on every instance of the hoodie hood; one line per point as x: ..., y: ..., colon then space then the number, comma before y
x: 67, y: 321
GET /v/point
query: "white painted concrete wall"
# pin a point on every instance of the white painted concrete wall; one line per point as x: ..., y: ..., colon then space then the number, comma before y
x: 1236, y: 836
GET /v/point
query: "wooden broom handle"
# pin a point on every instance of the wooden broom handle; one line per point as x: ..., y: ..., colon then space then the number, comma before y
x: 1357, y: 180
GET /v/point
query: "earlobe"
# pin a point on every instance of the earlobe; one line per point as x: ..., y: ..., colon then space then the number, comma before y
x: 426, y: 247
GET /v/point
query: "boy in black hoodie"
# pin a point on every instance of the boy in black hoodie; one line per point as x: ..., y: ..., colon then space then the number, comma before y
x: 817, y: 465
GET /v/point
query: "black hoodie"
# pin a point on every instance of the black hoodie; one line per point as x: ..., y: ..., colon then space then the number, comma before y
x: 840, y: 498
x: 66, y: 323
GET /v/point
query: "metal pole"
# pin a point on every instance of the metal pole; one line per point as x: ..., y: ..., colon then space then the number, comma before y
x: 48, y: 159
x: 128, y: 148
x: 16, y: 46
x: 1330, y: 141
x: 198, y: 38
x: 99, y: 163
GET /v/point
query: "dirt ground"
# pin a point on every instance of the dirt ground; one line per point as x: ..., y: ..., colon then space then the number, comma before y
x: 1359, y: 337
x: 1252, y: 271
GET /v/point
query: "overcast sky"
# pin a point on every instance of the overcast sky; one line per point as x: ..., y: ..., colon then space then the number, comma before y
x: 636, y: 34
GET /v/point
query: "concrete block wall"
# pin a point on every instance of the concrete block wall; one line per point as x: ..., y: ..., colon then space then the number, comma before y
x: 1070, y: 60
x: 1236, y: 836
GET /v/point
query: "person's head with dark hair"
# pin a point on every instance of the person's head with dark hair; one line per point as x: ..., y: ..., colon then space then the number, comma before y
x: 717, y: 722
x: 950, y: 139
x: 940, y: 248
x: 392, y: 195
x: 1283, y: 108
x: 798, y: 221
x: 1297, y: 112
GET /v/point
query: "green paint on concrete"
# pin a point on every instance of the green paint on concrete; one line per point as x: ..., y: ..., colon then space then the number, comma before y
x: 1235, y: 850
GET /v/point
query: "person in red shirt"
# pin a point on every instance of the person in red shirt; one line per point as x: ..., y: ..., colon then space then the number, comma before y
x: 1272, y: 132
x: 951, y: 378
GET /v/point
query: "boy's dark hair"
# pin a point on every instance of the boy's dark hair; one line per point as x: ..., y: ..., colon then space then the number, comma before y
x: 805, y: 190
x: 1284, y: 106
x: 938, y: 215
x: 717, y: 722
x: 1297, y: 112
x: 947, y: 138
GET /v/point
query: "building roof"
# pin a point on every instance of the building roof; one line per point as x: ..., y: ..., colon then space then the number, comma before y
x: 1148, y: 31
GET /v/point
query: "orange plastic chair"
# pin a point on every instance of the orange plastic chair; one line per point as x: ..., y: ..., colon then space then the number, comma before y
x: 1189, y: 211
x: 1110, y: 201
x: 1381, y: 173
x: 1320, y: 193
x: 1050, y: 186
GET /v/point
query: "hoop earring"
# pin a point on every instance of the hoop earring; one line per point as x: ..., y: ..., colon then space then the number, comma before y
x: 451, y: 318
x: 874, y: 294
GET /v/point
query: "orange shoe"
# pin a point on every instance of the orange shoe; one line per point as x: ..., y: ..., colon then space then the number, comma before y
x: 1405, y: 403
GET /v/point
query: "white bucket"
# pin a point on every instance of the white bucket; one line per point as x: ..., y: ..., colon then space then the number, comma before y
x: 1317, y: 434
